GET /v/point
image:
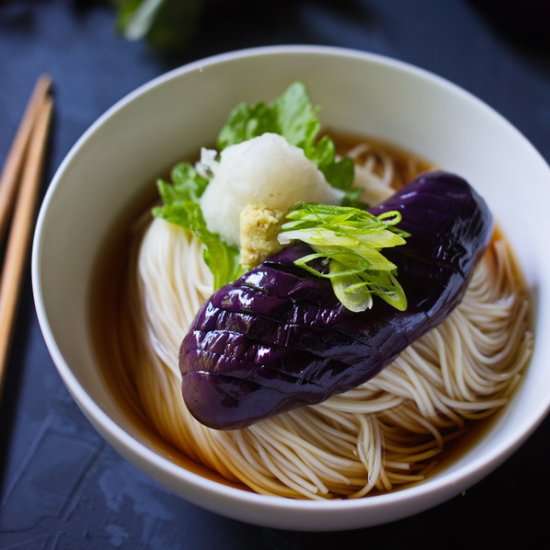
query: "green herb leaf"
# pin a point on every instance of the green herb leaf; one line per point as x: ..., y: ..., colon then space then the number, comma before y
x: 350, y: 241
x: 181, y: 207
x: 293, y: 116
x: 245, y: 122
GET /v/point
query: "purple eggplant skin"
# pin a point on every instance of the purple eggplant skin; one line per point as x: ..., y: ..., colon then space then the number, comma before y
x: 278, y: 338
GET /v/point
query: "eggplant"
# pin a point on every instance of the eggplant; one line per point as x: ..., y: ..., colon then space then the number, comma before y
x: 278, y: 338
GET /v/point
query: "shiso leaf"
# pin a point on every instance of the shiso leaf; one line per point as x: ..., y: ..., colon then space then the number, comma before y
x: 349, y: 241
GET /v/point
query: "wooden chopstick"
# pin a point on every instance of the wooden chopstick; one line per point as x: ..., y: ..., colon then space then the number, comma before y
x: 14, y: 161
x: 21, y: 226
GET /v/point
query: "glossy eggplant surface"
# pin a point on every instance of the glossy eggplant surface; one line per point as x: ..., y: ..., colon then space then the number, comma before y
x: 278, y: 338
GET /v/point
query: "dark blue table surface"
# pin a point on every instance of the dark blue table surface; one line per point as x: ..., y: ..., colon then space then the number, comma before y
x: 62, y: 485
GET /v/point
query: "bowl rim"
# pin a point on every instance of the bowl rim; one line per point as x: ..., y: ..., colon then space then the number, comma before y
x: 461, y: 477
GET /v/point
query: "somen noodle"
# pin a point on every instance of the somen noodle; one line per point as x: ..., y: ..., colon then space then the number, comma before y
x: 383, y: 434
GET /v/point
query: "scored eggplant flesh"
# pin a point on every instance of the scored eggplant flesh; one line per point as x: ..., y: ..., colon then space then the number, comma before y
x: 278, y: 338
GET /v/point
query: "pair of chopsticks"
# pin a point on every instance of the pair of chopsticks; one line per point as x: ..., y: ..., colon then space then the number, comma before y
x: 19, y: 186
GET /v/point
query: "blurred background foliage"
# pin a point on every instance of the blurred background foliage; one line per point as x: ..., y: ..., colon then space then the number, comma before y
x: 167, y: 26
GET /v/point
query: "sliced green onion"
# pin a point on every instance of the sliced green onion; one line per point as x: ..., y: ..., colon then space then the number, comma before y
x: 348, y: 243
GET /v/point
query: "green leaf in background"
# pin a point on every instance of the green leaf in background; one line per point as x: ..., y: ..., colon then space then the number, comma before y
x: 293, y: 116
x: 181, y: 207
x: 167, y: 25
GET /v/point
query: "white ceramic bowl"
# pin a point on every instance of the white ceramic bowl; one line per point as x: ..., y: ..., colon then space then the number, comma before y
x: 168, y: 120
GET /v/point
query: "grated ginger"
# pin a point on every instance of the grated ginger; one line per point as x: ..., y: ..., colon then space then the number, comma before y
x: 259, y: 227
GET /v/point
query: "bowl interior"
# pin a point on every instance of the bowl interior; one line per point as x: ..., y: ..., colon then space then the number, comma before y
x: 168, y: 120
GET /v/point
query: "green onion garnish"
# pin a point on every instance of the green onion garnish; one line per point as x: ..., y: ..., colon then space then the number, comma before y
x: 348, y: 241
